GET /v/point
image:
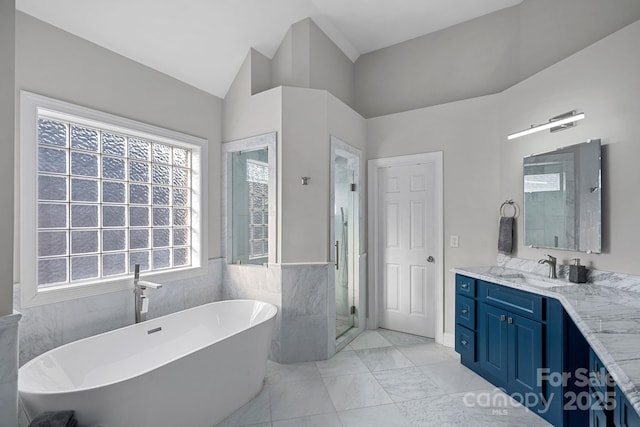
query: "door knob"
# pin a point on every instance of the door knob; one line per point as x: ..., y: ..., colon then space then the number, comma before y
x: 430, y: 259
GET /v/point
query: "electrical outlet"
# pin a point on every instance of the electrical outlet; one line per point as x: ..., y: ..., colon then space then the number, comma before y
x: 454, y: 241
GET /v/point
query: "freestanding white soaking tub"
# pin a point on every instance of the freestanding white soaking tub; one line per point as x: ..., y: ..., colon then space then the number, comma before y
x: 191, y: 368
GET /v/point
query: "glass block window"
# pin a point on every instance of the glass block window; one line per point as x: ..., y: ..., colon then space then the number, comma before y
x: 107, y: 200
x: 258, y: 180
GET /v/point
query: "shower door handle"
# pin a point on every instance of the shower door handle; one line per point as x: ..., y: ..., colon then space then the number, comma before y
x: 337, y: 245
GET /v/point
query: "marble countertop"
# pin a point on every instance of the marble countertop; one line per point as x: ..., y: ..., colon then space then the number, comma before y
x: 607, y: 312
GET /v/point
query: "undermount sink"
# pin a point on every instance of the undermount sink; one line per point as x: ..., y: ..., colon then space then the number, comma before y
x: 528, y: 279
x: 539, y: 283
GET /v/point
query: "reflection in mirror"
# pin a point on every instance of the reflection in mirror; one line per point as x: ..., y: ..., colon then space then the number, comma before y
x: 562, y: 198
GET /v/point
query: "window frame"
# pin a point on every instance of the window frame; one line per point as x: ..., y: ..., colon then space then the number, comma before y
x: 25, y: 242
x: 268, y: 141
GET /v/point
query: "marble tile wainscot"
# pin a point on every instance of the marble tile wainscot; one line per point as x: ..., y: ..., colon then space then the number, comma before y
x: 606, y: 311
x: 302, y: 293
x: 51, y: 325
x: 9, y: 369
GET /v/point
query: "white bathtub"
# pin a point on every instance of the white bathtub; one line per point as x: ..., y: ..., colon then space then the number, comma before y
x: 200, y: 367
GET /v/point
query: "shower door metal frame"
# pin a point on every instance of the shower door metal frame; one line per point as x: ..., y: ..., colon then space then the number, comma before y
x: 339, y: 147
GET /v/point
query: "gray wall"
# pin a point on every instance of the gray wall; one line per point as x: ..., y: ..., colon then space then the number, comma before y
x: 7, y: 69
x: 478, y: 57
x: 466, y: 132
x: 484, y: 56
x: 602, y: 81
x: 54, y: 63
x: 57, y: 64
x: 482, y: 168
x: 307, y: 58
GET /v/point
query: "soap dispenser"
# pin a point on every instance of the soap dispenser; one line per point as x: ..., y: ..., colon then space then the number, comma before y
x: 577, y: 272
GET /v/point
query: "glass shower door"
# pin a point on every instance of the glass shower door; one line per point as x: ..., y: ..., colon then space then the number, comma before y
x: 344, y: 182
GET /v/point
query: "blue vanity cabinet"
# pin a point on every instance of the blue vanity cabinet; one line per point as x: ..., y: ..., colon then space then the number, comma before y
x: 465, y: 336
x: 493, y: 349
x: 510, y: 346
x: 624, y: 415
x: 602, y: 403
x: 507, y: 336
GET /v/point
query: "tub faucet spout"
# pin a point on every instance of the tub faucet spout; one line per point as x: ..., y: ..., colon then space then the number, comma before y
x: 551, y: 262
x: 140, y: 294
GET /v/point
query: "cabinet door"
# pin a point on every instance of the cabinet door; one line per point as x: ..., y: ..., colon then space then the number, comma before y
x: 492, y: 341
x: 525, y: 354
x: 624, y: 415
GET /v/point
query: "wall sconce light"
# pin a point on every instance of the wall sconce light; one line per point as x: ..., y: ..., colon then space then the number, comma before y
x: 555, y: 124
x: 305, y: 180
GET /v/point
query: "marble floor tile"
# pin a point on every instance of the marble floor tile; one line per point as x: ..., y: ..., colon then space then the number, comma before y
x: 295, y: 399
x: 374, y: 416
x: 406, y: 384
x: 355, y: 391
x: 324, y: 420
x: 343, y: 363
x: 425, y: 354
x: 442, y: 411
x: 495, y: 408
x: 440, y: 392
x: 384, y: 358
x: 256, y: 411
x: 452, y: 377
x: 369, y: 339
x: 401, y: 339
x: 277, y: 372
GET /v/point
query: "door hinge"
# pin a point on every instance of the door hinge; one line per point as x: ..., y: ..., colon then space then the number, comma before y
x: 353, y: 309
x: 353, y: 187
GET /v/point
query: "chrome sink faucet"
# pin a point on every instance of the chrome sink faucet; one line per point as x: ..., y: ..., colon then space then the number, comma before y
x: 551, y: 261
x: 140, y: 294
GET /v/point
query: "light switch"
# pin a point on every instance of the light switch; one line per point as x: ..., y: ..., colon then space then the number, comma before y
x: 454, y: 241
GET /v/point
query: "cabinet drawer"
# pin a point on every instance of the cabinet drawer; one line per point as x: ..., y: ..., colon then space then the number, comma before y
x: 465, y: 312
x: 465, y: 344
x: 518, y: 302
x: 598, y: 375
x: 465, y: 286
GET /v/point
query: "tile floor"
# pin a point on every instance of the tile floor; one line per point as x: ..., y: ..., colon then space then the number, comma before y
x: 382, y: 378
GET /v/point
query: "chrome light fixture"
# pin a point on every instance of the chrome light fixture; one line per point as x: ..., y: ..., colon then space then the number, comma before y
x: 555, y: 124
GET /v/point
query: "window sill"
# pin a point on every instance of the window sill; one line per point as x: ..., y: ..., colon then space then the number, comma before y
x: 54, y: 294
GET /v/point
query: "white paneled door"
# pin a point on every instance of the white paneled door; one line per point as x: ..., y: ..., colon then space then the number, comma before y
x: 407, y: 247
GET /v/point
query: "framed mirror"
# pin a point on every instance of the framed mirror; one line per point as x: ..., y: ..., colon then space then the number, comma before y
x: 562, y: 198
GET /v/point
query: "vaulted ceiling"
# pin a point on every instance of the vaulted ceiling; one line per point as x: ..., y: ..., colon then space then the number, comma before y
x: 203, y: 42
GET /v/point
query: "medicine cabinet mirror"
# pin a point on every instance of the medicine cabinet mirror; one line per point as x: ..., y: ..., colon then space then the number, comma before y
x: 562, y: 198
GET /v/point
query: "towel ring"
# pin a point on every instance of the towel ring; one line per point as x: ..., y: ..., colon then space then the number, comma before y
x: 509, y: 203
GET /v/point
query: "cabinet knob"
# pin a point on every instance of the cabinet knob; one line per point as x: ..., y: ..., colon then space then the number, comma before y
x: 465, y: 286
x: 464, y: 342
x: 503, y: 317
x: 510, y: 320
x: 465, y: 311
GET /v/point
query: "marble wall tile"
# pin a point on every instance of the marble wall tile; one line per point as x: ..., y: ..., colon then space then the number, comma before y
x: 304, y: 290
x: 41, y: 330
x: 48, y: 326
x: 303, y: 339
x: 300, y: 292
x: 609, y: 279
x: 9, y: 404
x: 85, y: 317
x: 9, y: 370
x: 259, y: 283
x: 9, y: 348
x: 304, y: 320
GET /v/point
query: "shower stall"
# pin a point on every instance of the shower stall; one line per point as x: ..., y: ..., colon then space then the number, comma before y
x: 345, y: 229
